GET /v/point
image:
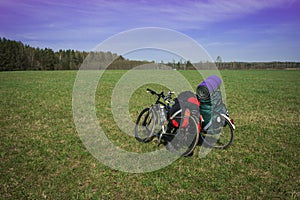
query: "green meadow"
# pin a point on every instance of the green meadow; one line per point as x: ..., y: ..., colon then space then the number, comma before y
x: 42, y: 156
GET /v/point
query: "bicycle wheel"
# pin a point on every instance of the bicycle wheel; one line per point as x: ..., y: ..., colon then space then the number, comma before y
x: 145, y: 124
x: 185, y: 140
x: 221, y: 140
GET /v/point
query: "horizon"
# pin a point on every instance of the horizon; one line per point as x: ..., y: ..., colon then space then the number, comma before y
x: 173, y: 58
x: 241, y: 31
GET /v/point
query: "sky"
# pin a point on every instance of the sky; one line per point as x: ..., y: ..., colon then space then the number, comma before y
x: 236, y: 30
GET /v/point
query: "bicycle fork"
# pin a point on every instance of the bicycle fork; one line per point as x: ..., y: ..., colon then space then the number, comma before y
x: 163, y: 119
x: 163, y: 131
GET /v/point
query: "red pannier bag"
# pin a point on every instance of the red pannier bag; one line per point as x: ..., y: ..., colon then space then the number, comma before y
x: 186, y: 105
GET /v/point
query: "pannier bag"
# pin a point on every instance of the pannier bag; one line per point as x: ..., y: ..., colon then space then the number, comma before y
x: 186, y: 105
x: 211, y: 104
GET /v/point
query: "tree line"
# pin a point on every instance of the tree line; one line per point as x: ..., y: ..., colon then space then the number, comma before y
x: 258, y: 65
x: 15, y: 55
x: 187, y: 65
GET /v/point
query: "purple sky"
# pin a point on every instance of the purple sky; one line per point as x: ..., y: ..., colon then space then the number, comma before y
x: 237, y: 30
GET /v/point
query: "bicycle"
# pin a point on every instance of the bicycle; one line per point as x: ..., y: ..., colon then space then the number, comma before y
x: 182, y: 140
x: 149, y: 117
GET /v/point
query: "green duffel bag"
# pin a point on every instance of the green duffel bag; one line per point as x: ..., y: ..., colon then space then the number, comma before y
x: 211, y: 110
x: 205, y: 111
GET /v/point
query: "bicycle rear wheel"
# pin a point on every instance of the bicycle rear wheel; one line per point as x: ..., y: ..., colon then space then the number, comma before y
x: 145, y: 124
x: 221, y: 140
x: 185, y: 139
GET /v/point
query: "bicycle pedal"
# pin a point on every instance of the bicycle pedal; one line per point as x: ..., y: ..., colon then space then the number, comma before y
x: 156, y: 141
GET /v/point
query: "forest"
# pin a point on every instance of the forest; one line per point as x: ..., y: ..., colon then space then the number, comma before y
x: 16, y: 56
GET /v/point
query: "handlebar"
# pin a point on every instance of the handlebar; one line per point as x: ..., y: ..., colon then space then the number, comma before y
x: 152, y: 91
x: 161, y: 95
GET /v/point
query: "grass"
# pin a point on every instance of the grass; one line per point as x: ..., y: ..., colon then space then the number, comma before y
x: 42, y: 156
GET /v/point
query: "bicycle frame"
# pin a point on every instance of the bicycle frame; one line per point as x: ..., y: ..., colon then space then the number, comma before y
x: 161, y: 108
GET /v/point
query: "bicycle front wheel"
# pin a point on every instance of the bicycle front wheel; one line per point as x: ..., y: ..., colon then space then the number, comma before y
x: 221, y: 140
x: 145, y: 124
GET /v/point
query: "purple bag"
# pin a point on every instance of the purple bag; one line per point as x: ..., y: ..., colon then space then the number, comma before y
x: 208, y: 87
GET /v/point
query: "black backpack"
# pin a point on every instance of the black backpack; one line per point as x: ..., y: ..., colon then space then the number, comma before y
x: 185, y: 106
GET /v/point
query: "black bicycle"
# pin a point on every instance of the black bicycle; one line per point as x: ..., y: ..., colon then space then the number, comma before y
x: 155, y: 122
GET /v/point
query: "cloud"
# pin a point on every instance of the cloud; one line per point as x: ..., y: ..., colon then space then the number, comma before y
x: 122, y: 15
x: 220, y: 44
x: 83, y: 24
x: 180, y: 15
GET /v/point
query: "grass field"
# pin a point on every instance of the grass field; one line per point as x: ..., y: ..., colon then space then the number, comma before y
x: 42, y: 156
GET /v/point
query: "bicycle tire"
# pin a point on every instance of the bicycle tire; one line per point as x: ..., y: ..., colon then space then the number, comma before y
x: 221, y: 140
x: 186, y: 140
x: 145, y: 124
